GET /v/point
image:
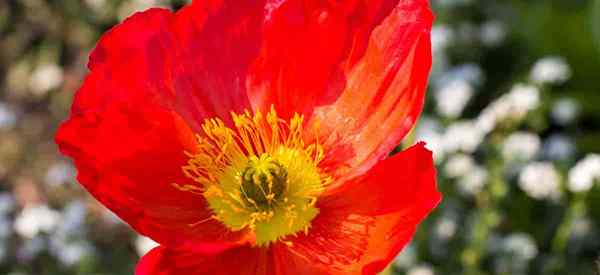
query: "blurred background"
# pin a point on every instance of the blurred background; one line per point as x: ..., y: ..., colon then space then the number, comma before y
x: 513, y: 117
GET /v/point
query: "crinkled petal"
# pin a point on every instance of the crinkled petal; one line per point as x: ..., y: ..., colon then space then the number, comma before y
x: 193, y: 61
x: 307, y: 46
x: 384, y: 92
x: 364, y: 225
x: 217, y: 41
x: 130, y: 125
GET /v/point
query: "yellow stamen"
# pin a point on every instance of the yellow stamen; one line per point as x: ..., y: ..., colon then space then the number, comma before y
x: 258, y: 175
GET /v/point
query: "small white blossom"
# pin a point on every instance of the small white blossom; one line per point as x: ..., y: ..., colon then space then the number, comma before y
x: 73, y: 219
x: 130, y: 7
x: 521, y: 246
x: 583, y: 175
x: 435, y: 144
x: 540, y: 180
x: 550, y: 70
x: 565, y: 111
x: 36, y: 219
x: 468, y: 72
x: 452, y: 98
x: 60, y: 173
x: 96, y: 4
x: 45, y: 78
x: 473, y: 182
x: 72, y: 253
x: 420, y: 270
x: 486, y: 121
x: 525, y: 98
x: 462, y: 136
x: 514, y: 105
x: 492, y: 33
x: 515, y: 253
x: 144, y: 244
x: 429, y: 130
x: 445, y: 228
x: 441, y: 38
x: 521, y: 146
x: 459, y: 165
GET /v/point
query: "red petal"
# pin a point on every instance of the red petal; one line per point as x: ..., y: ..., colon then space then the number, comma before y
x: 217, y: 42
x: 127, y: 136
x: 242, y: 260
x: 194, y: 61
x: 357, y: 233
x: 162, y: 261
x: 307, y: 46
x: 384, y: 90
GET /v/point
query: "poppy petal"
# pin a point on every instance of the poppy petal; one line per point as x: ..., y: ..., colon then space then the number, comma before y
x: 358, y: 234
x: 304, y: 45
x: 127, y: 136
x: 193, y: 61
x: 243, y: 260
x: 163, y: 261
x: 384, y: 91
x: 217, y: 41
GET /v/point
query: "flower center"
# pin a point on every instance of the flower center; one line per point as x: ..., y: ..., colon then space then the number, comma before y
x: 263, y: 182
x: 259, y: 175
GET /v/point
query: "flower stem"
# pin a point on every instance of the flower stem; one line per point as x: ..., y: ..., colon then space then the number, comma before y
x: 576, y: 209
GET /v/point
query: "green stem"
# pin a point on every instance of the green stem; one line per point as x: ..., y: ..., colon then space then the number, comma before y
x: 487, y: 201
x: 575, y: 209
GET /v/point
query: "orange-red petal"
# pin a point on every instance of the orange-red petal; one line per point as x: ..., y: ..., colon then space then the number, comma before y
x: 384, y: 91
x: 216, y: 42
x: 307, y: 44
x: 363, y: 226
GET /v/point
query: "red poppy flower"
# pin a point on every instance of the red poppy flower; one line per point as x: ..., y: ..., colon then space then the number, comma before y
x: 251, y: 137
